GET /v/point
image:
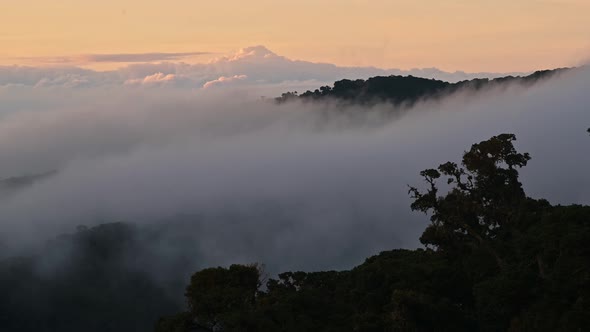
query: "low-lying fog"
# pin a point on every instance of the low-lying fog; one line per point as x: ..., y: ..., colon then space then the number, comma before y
x: 294, y: 186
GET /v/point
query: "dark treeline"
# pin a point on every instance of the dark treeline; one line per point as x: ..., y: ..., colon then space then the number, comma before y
x: 86, y: 281
x: 110, y: 277
x: 494, y: 260
x: 406, y: 89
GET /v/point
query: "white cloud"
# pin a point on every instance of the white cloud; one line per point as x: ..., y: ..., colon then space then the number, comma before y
x: 260, y: 66
x: 157, y: 79
x: 250, y: 54
x: 221, y: 81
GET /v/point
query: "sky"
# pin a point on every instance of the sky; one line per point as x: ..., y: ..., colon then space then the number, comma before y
x: 474, y: 36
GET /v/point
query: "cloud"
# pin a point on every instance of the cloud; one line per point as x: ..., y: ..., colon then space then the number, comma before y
x: 261, y: 67
x: 295, y: 186
x: 139, y: 57
x: 67, y: 81
x: 224, y: 81
x: 113, y: 58
x: 160, y: 79
x: 261, y: 64
x: 31, y: 76
x: 250, y: 54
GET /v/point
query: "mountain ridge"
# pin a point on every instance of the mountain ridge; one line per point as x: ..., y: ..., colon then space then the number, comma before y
x: 398, y: 89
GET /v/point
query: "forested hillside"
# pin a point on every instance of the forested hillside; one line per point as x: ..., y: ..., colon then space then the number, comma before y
x: 407, y: 89
x: 84, y: 281
x: 494, y: 260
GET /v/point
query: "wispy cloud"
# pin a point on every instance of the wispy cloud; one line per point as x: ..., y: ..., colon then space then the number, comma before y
x: 139, y: 57
x: 113, y: 57
x: 224, y: 80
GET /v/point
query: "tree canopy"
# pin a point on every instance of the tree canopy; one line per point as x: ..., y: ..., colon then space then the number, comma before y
x: 495, y: 260
x: 405, y: 90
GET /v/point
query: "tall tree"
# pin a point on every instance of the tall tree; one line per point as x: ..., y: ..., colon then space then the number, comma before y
x: 484, y: 194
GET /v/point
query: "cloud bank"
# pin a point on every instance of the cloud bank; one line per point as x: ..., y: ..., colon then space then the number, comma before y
x: 254, y: 66
x: 294, y: 186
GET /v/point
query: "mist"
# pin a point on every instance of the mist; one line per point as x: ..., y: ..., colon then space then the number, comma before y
x: 295, y: 186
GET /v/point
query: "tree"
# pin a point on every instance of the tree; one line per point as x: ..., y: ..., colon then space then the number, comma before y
x: 484, y: 195
x: 501, y: 261
x: 220, y: 297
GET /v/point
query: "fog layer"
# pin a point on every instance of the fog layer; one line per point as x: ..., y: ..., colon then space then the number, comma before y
x: 295, y: 186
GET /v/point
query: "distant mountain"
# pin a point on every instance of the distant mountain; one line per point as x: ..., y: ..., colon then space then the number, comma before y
x: 407, y: 89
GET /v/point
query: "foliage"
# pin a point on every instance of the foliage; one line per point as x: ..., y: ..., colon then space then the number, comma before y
x: 481, y: 206
x: 216, y: 296
x: 495, y: 260
x: 405, y: 90
x: 82, y: 282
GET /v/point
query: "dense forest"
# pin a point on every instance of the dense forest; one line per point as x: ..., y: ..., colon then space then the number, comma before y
x: 493, y: 260
x: 407, y: 90
x: 84, y: 281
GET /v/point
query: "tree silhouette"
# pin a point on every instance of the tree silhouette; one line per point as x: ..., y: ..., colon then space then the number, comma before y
x: 485, y: 192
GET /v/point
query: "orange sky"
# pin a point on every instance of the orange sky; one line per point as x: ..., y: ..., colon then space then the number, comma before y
x: 470, y: 35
